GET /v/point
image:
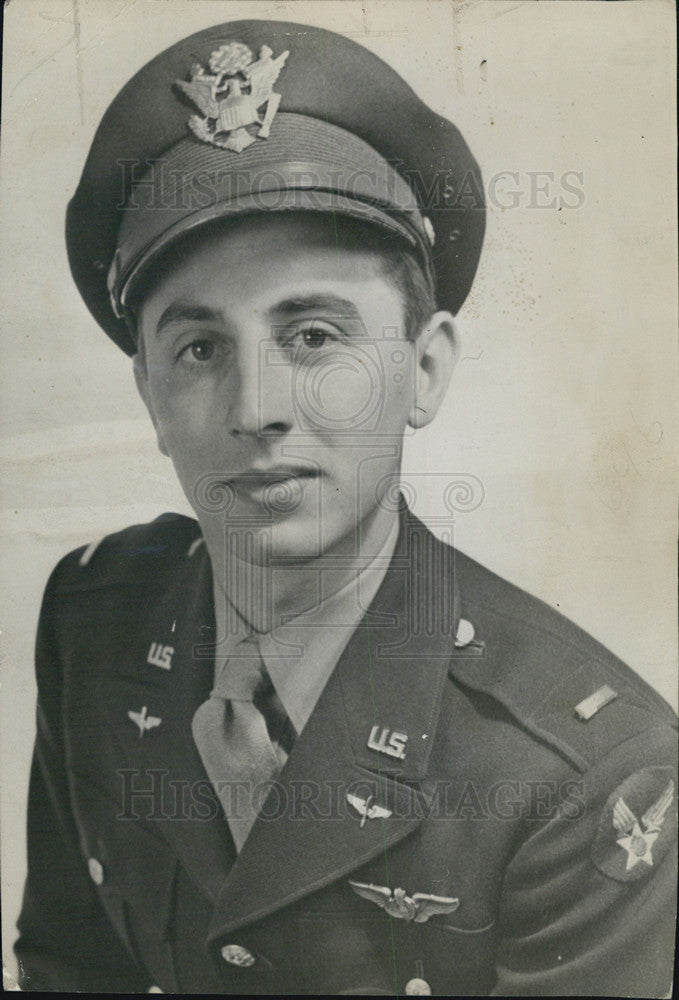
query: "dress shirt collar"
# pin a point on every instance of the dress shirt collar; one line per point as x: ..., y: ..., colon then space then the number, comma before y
x: 301, y: 653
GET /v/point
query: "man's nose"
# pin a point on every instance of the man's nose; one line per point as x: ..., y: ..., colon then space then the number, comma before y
x: 261, y: 402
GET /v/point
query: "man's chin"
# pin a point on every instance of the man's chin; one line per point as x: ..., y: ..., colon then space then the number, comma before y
x: 285, y: 527
x: 260, y: 540
x: 296, y: 538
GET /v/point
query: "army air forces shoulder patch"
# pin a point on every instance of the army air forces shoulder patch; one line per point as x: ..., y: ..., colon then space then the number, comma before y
x: 637, y: 826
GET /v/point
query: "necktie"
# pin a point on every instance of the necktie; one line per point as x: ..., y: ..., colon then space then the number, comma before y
x: 231, y: 734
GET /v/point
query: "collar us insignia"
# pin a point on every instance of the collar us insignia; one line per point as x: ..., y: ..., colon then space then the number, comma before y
x: 231, y: 95
x: 636, y: 828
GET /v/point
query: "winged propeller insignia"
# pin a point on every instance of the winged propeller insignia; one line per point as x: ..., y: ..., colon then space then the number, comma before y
x: 419, y: 907
x: 367, y: 809
x: 143, y: 720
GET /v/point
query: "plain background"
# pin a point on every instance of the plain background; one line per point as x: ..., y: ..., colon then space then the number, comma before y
x: 564, y: 404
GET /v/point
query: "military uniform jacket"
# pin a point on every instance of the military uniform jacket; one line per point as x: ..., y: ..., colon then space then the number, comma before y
x: 535, y: 787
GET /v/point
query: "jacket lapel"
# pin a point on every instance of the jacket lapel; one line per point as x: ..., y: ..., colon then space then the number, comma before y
x: 183, y: 808
x: 387, y: 685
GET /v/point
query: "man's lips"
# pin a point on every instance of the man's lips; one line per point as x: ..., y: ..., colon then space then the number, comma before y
x: 255, y: 478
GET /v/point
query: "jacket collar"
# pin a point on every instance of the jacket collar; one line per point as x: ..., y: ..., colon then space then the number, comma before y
x: 389, y: 679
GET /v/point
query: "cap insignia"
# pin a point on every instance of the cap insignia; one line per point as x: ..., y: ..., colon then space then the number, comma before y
x: 231, y: 95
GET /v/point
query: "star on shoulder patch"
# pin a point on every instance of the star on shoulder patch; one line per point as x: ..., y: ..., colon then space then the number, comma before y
x: 637, y: 825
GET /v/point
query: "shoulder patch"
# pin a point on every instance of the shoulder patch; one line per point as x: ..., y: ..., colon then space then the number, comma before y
x: 638, y: 825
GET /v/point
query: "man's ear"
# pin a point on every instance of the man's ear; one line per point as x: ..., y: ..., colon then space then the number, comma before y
x: 142, y: 381
x: 437, y: 348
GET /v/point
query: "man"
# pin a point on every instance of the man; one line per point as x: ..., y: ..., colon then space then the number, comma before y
x: 301, y: 745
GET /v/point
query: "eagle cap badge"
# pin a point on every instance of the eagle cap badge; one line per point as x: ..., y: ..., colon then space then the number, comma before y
x: 231, y: 95
x: 637, y: 825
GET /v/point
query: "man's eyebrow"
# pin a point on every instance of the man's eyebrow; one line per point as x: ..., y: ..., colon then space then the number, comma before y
x: 190, y: 312
x: 323, y: 302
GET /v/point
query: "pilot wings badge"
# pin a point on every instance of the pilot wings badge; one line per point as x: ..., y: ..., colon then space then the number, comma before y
x: 638, y: 842
x: 231, y: 95
x: 419, y: 907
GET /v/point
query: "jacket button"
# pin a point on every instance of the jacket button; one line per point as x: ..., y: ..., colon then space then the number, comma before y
x: 235, y: 954
x: 463, y: 636
x: 96, y: 871
x: 418, y: 988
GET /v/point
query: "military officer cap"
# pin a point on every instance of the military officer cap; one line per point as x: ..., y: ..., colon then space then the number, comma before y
x: 255, y: 116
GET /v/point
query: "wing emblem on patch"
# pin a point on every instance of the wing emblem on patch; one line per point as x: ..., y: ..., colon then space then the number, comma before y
x: 637, y: 826
x: 638, y: 838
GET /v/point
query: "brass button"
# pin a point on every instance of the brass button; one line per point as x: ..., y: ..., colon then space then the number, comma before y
x: 418, y: 988
x: 464, y: 634
x: 236, y: 954
x: 96, y: 870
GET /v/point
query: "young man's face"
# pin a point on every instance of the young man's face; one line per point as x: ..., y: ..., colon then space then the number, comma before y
x: 278, y: 372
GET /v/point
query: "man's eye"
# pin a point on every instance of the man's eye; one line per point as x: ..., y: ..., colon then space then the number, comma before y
x: 315, y: 335
x: 198, y: 350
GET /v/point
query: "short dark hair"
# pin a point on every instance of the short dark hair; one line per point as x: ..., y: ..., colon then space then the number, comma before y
x: 398, y: 263
x: 415, y: 286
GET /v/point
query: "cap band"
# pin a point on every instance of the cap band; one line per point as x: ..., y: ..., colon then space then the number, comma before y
x: 305, y: 164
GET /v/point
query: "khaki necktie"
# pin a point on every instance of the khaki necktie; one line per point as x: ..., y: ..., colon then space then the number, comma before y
x: 232, y: 738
